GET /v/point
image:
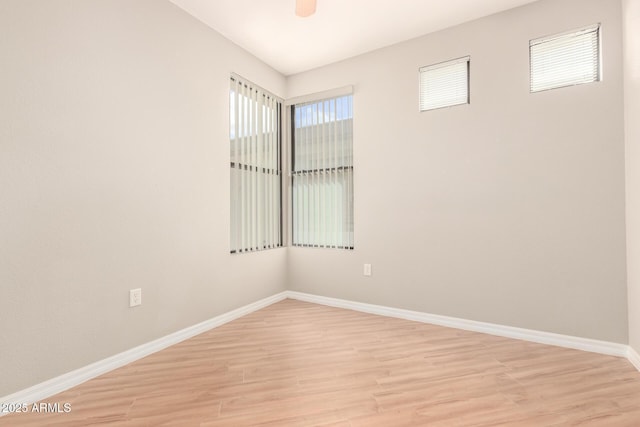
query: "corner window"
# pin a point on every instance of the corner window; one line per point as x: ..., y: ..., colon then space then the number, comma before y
x: 566, y: 59
x: 445, y: 84
x: 322, y: 173
x: 254, y: 134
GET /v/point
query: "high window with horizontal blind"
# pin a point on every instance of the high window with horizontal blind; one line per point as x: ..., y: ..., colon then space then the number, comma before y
x: 565, y: 59
x: 254, y: 133
x: 445, y: 84
x: 322, y: 173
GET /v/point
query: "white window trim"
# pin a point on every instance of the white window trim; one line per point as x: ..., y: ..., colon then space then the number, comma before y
x: 448, y: 63
x: 300, y: 101
x: 319, y: 96
x: 271, y: 236
x: 597, y: 28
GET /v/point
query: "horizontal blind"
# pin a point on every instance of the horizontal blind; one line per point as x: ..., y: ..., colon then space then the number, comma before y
x: 254, y: 134
x: 445, y: 84
x: 564, y: 60
x: 322, y: 173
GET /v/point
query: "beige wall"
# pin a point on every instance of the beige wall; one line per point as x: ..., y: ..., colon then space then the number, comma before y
x: 631, y: 14
x: 114, y: 175
x: 509, y: 210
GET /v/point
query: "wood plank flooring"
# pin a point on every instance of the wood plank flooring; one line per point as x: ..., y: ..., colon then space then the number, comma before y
x: 301, y: 364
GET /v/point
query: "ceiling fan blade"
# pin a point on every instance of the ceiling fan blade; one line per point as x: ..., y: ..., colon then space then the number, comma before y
x: 305, y: 8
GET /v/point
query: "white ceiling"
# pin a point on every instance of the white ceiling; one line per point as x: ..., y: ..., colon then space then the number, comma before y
x: 340, y: 29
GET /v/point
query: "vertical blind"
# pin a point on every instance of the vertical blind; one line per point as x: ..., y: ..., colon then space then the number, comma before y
x: 566, y: 59
x: 254, y: 133
x: 322, y: 173
x: 444, y: 84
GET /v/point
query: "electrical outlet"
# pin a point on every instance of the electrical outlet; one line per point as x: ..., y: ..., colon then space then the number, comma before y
x: 367, y: 270
x: 135, y: 297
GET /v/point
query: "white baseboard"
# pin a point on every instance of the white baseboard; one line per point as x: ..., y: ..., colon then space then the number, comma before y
x: 633, y: 357
x: 585, y: 344
x: 64, y: 382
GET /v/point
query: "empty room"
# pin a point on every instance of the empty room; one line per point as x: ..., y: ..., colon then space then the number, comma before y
x: 319, y: 212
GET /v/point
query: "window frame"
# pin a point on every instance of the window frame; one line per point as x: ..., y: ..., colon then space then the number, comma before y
x: 346, y: 211
x: 263, y: 169
x: 444, y: 64
x: 593, y: 28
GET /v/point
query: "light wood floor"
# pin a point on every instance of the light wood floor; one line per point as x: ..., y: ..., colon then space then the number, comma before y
x: 295, y: 363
